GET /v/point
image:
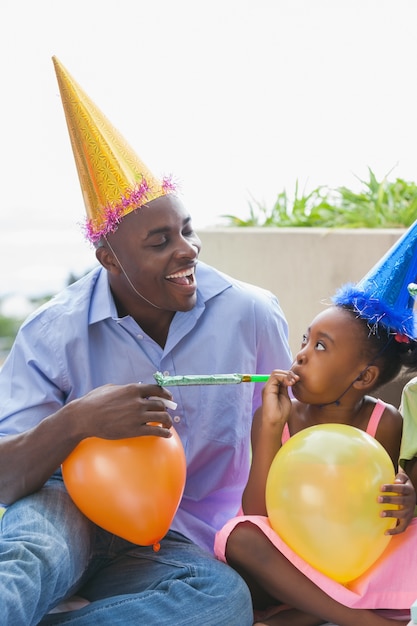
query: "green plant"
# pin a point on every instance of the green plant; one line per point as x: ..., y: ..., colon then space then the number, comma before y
x: 8, y: 329
x: 378, y: 204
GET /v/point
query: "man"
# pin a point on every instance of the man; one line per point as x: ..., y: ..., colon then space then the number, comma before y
x: 74, y: 372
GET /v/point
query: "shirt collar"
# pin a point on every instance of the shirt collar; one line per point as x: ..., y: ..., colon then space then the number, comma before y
x: 210, y: 283
x: 102, y: 304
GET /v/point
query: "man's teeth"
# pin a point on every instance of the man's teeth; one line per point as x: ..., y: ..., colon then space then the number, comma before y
x: 183, y: 274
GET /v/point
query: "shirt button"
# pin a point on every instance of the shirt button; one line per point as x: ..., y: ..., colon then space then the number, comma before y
x: 177, y: 419
x: 166, y: 373
x: 139, y: 336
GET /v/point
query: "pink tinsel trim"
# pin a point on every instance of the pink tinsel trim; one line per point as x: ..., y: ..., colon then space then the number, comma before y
x: 113, y: 213
x: 168, y: 184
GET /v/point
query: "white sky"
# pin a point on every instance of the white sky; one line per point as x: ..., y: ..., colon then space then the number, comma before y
x: 237, y: 99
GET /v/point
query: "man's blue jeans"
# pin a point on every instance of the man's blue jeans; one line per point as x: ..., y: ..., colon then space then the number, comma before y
x: 49, y: 551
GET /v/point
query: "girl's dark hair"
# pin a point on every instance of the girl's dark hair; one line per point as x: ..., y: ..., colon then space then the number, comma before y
x: 382, y: 346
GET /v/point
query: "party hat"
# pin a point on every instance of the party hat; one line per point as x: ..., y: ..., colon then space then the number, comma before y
x: 383, y: 296
x: 114, y: 181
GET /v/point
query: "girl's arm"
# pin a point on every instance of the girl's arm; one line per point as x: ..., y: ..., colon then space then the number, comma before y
x: 402, y: 492
x: 389, y: 433
x: 267, y: 427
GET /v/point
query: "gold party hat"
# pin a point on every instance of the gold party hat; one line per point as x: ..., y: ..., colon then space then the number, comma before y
x: 114, y: 181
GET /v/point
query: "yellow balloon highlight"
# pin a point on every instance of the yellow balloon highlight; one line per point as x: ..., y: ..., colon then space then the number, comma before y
x: 321, y: 498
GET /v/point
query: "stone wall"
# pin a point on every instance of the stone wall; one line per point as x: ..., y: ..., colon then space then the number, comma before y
x: 303, y: 267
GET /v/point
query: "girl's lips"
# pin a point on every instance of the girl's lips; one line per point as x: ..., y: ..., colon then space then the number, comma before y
x: 294, y: 371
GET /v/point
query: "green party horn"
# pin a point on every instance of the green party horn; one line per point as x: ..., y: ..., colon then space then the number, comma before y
x: 209, y: 379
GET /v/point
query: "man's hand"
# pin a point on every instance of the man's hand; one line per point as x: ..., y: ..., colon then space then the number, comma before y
x: 121, y: 411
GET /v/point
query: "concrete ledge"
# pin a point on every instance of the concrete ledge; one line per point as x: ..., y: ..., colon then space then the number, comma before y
x: 303, y: 267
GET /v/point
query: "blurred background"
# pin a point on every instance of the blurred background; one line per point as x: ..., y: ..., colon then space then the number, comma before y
x: 238, y: 99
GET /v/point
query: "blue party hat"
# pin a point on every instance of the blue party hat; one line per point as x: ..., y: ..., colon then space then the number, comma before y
x: 383, y: 296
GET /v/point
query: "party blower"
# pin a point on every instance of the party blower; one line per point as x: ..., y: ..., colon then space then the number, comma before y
x: 209, y: 379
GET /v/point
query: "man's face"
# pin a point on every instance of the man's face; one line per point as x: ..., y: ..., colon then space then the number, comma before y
x: 158, y: 249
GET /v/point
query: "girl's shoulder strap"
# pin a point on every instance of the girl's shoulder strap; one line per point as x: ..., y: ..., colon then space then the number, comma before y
x: 371, y: 429
x: 285, y: 433
x: 376, y: 415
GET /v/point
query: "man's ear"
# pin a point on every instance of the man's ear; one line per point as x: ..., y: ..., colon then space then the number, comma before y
x: 107, y: 259
x: 367, y: 378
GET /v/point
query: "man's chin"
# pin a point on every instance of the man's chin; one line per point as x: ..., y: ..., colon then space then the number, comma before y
x: 189, y: 304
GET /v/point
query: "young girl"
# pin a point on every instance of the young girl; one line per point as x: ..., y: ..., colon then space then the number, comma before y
x: 341, y: 360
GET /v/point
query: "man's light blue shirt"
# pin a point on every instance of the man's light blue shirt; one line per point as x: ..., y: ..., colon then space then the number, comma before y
x: 77, y: 342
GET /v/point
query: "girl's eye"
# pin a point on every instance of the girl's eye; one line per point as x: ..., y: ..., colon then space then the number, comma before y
x: 320, y: 346
x: 304, y: 340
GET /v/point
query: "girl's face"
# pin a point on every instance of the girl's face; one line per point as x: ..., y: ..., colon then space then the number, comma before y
x: 331, y: 357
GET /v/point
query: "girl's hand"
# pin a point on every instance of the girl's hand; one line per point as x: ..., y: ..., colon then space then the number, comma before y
x: 404, y: 496
x: 267, y: 426
x: 276, y: 403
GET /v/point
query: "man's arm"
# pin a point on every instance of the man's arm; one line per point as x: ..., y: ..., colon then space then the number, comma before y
x: 28, y: 459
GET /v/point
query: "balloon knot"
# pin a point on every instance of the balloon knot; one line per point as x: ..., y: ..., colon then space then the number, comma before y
x: 156, y: 547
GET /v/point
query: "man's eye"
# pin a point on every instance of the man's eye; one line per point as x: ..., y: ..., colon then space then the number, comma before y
x: 161, y: 243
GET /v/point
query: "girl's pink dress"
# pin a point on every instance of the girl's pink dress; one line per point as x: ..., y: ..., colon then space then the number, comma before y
x: 391, y: 583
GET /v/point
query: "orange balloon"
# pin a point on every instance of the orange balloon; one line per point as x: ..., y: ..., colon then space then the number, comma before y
x: 130, y: 487
x: 321, y: 498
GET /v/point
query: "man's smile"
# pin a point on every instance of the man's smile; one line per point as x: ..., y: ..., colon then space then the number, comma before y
x: 185, y: 277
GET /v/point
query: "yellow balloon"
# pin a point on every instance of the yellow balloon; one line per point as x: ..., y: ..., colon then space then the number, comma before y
x: 321, y: 498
